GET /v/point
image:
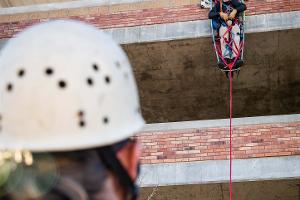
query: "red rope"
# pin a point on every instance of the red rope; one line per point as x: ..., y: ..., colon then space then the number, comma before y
x: 230, y: 66
x: 230, y: 183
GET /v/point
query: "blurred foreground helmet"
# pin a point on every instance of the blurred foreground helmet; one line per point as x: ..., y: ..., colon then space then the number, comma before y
x: 65, y: 85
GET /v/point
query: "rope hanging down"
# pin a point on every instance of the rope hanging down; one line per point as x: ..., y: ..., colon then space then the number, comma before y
x: 227, y: 25
x: 230, y: 129
x: 230, y: 107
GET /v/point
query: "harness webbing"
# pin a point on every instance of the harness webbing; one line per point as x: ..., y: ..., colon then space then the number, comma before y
x: 229, y: 43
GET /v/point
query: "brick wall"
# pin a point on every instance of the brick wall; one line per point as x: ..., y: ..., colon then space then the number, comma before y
x: 251, y: 141
x: 136, y: 14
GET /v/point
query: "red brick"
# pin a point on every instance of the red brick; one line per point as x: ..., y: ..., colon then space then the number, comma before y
x: 169, y: 160
x: 223, y: 157
x: 194, y: 159
x: 284, y: 153
x: 271, y: 154
x: 257, y: 155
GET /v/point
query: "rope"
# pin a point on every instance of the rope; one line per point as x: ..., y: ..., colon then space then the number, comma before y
x: 230, y: 67
x: 230, y: 182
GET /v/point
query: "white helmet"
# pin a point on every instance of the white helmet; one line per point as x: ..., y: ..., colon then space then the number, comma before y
x: 65, y: 85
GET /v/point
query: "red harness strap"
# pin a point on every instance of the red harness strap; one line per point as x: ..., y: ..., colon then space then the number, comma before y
x: 230, y: 182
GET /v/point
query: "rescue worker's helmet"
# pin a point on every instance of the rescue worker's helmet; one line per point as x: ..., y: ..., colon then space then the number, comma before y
x: 65, y: 85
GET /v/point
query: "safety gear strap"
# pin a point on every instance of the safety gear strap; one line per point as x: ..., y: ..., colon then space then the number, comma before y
x: 108, y: 155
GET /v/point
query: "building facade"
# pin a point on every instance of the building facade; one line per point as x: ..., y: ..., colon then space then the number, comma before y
x: 185, y: 98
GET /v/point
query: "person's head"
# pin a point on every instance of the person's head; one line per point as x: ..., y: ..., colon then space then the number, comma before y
x: 69, y: 98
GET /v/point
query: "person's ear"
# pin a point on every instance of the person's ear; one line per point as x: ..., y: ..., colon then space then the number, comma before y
x: 129, y: 157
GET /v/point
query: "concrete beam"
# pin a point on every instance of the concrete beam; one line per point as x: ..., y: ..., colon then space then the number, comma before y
x: 203, y: 172
x: 201, y: 28
x: 221, y: 122
x: 2, y: 43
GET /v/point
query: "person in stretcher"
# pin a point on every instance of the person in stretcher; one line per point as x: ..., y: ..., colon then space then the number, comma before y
x: 225, y: 21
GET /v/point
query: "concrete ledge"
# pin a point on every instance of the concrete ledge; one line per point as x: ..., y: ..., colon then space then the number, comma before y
x: 221, y: 123
x: 201, y: 28
x: 63, y: 5
x: 218, y: 171
x: 2, y: 43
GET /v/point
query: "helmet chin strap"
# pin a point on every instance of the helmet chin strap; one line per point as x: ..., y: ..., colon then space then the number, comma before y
x: 109, y: 158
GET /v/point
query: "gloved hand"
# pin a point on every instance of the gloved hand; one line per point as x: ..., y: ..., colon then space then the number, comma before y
x: 229, y: 22
x: 224, y: 16
x: 232, y: 14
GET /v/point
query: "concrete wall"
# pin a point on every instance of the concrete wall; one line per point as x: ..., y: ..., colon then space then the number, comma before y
x: 178, y: 79
x: 186, y: 30
x: 197, y: 152
x: 112, y: 14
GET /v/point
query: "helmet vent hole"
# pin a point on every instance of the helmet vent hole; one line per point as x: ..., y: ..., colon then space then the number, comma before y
x: 80, y: 113
x: 21, y: 72
x: 62, y: 84
x: 107, y: 80
x: 49, y: 71
x: 118, y: 64
x: 105, y: 120
x: 95, y: 67
x: 9, y: 87
x: 90, y: 81
x: 82, y: 124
